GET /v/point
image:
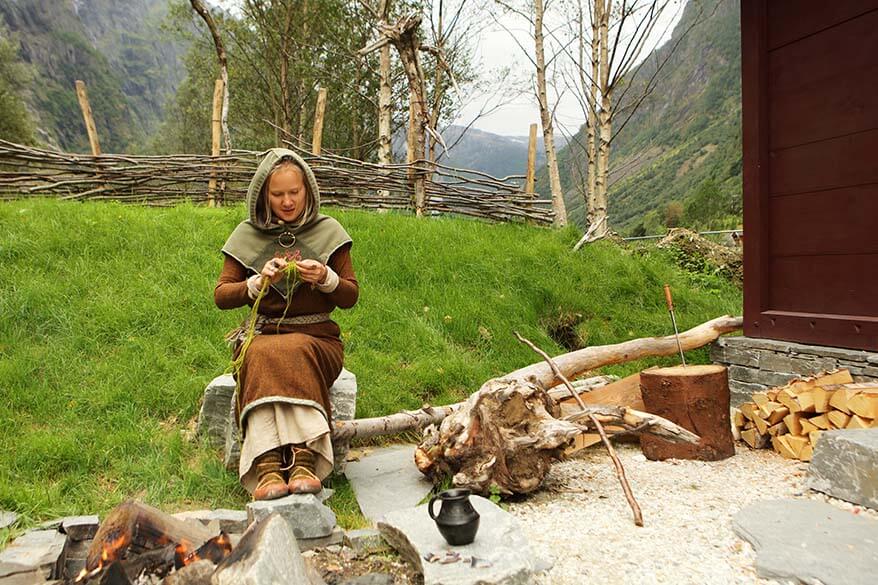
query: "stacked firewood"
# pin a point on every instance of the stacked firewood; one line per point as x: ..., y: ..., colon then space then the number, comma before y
x: 791, y: 418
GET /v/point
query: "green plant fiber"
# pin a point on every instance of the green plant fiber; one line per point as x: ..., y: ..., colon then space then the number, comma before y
x: 109, y: 334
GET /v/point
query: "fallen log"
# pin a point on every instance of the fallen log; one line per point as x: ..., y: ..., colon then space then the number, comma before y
x: 506, y: 435
x: 569, y: 364
x: 576, y: 362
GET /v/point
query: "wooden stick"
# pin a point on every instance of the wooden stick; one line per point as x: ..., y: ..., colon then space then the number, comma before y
x: 620, y: 471
x: 319, y: 111
x: 90, y: 128
x: 215, y: 135
x: 531, y: 160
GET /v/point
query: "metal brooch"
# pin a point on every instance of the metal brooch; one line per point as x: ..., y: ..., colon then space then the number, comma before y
x: 286, y: 240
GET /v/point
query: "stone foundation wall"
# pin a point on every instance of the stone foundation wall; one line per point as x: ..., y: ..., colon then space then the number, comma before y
x: 757, y: 364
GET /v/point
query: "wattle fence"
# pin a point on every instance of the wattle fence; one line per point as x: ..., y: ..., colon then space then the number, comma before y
x: 169, y: 179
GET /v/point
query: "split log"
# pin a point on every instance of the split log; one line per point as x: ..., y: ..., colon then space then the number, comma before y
x: 507, y: 435
x: 696, y: 397
x: 134, y: 527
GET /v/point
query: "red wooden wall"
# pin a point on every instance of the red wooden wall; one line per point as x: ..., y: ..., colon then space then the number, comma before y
x: 810, y: 133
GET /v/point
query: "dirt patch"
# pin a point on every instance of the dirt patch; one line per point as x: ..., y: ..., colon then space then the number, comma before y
x: 563, y: 328
x: 699, y: 254
x: 338, y: 566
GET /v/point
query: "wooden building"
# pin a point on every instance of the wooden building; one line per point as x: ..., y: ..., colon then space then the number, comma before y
x: 810, y: 133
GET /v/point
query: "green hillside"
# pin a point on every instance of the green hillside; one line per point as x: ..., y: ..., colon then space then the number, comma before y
x: 109, y: 334
x: 678, y: 160
x: 118, y: 49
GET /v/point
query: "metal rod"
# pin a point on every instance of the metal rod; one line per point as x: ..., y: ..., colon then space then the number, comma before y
x: 670, y: 301
x: 708, y: 233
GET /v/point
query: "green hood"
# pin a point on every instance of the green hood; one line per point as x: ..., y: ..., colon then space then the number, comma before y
x: 253, y: 242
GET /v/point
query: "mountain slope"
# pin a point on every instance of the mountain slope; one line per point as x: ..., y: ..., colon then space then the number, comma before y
x: 678, y: 160
x: 117, y: 48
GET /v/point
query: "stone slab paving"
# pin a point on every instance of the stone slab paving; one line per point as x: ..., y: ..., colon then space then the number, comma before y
x: 502, y: 553
x: 845, y: 466
x: 386, y: 479
x: 365, y: 541
x: 803, y: 541
x: 306, y: 513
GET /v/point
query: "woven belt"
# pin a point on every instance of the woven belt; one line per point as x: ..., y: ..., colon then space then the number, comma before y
x: 310, y: 319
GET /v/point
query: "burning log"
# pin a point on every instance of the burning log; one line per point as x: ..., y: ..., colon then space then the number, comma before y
x: 133, y: 528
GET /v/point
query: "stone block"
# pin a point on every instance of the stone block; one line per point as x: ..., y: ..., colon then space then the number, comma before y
x: 365, y: 541
x: 342, y: 396
x: 838, y: 353
x: 29, y: 577
x: 37, y: 550
x: 336, y: 537
x: 740, y: 356
x: 754, y: 376
x: 230, y: 521
x: 803, y: 541
x: 800, y: 366
x: 268, y: 553
x: 869, y: 372
x: 307, y: 515
x: 214, y: 414
x: 757, y: 343
x: 7, y: 519
x: 371, y: 579
x: 502, y: 552
x: 845, y: 466
x: 232, y: 444
x: 80, y: 527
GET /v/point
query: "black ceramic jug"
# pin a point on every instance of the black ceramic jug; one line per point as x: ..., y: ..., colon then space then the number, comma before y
x: 457, y: 520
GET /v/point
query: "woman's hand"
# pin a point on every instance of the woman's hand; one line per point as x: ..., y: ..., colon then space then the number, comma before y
x: 274, y: 269
x: 311, y: 271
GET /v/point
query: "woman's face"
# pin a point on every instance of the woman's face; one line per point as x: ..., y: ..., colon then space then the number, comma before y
x: 287, y: 194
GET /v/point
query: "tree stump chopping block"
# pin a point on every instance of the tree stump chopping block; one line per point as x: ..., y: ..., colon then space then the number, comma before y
x: 697, y: 399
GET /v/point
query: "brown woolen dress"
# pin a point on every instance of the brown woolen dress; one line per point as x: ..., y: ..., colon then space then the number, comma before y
x: 291, y: 366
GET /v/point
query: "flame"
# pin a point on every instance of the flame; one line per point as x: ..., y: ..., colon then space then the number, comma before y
x: 214, y: 550
x: 110, y: 551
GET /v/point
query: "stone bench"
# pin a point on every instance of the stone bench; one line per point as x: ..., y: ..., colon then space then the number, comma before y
x: 216, y: 421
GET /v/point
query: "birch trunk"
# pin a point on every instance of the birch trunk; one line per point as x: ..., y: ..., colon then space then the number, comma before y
x: 385, y: 109
x: 546, y: 119
x: 604, y: 120
x: 591, y: 90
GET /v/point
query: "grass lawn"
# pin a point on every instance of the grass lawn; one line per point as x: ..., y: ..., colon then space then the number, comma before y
x: 109, y: 335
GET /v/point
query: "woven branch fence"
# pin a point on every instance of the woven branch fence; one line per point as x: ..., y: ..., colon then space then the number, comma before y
x: 344, y: 182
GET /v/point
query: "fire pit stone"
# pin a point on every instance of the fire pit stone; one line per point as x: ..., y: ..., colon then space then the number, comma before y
x: 307, y: 515
x: 268, y: 553
x: 38, y: 550
x: 230, y: 521
x: 79, y: 528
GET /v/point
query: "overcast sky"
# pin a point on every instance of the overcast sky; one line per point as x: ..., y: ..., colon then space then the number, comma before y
x: 497, y: 50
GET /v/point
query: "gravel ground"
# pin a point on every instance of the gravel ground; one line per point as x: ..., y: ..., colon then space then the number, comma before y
x: 582, y: 521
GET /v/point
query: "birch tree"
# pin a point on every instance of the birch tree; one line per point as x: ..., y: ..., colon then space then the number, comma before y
x: 612, y: 39
x: 534, y: 13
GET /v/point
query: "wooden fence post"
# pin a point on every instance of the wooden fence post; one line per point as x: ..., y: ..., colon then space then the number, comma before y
x: 317, y: 141
x: 82, y: 95
x: 531, y: 160
x: 215, y: 134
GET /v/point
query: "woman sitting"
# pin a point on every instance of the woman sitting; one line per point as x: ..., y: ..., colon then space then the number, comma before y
x: 283, y: 407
